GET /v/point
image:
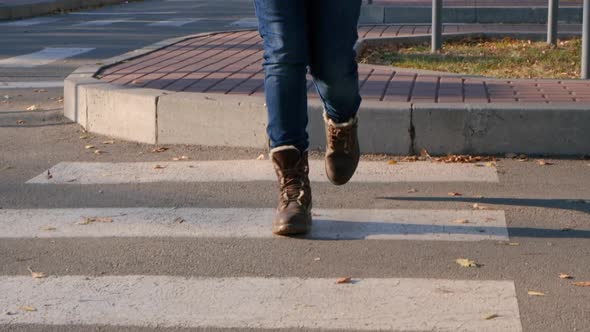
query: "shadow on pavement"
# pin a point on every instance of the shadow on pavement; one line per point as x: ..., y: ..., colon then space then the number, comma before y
x: 582, y: 205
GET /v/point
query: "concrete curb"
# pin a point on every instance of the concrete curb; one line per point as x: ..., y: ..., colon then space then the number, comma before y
x: 167, y: 117
x: 374, y: 14
x: 49, y: 7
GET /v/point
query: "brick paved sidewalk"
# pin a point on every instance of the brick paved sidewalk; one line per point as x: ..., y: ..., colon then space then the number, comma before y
x: 230, y: 63
x: 477, y: 3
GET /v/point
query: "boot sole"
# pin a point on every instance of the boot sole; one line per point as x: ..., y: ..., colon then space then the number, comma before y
x: 291, y: 230
x: 334, y: 181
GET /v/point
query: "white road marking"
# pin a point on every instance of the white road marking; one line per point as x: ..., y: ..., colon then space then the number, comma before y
x: 30, y: 22
x: 254, y: 170
x: 121, y: 13
x: 102, y: 22
x: 43, y: 57
x: 249, y: 22
x: 31, y: 85
x: 266, y: 303
x: 175, y: 22
x: 428, y: 225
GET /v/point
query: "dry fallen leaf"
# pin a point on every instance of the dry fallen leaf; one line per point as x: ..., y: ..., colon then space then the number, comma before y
x: 544, y: 163
x: 27, y: 308
x: 535, y: 293
x: 410, y: 159
x: 455, y: 194
x: 522, y: 157
x: 159, y: 149
x: 108, y: 142
x: 86, y: 221
x: 424, y: 154
x: 90, y: 220
x: 102, y: 219
x: 137, y: 82
x: 97, y: 151
x: 463, y: 159
x: 582, y: 283
x: 36, y: 275
x: 479, y: 207
x: 39, y: 90
x: 261, y: 157
x: 346, y: 280
x: 33, y: 108
x: 21, y: 122
x: 565, y: 276
x: 412, y: 191
x: 492, y: 316
x: 88, y: 147
x: 464, y: 262
x: 180, y: 158
x: 512, y: 244
x: 48, y: 228
x: 49, y: 176
x: 392, y: 162
x: 461, y: 221
x: 179, y: 220
x: 317, y: 259
x: 159, y: 167
x: 84, y: 136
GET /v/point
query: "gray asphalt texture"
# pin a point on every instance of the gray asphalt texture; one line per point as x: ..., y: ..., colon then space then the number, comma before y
x: 547, y: 207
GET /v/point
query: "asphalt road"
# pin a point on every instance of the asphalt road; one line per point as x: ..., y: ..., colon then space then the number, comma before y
x: 122, y: 28
x: 546, y: 209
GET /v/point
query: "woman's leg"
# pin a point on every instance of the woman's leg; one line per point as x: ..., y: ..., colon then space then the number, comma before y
x: 332, y: 36
x: 282, y: 25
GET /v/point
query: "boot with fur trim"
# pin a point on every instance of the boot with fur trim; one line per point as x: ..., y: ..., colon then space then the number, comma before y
x: 294, y: 211
x: 342, y: 150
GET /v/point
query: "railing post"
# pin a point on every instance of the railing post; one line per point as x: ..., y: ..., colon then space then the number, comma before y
x: 553, y: 14
x: 436, y: 25
x: 586, y: 42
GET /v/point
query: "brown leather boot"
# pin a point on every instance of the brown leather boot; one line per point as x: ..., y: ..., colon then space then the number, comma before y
x: 294, y: 211
x: 342, y: 150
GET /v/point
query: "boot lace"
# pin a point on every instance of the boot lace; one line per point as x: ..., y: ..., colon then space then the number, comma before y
x: 340, y: 137
x: 292, y: 185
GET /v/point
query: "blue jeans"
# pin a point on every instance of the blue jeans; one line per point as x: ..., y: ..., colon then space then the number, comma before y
x: 297, y: 34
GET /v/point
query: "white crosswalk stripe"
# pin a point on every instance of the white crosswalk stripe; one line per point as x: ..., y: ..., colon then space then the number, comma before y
x: 399, y: 304
x: 31, y: 85
x: 428, y: 225
x: 258, y: 170
x: 175, y: 22
x: 30, y: 22
x: 367, y: 304
x: 101, y: 22
x: 43, y: 57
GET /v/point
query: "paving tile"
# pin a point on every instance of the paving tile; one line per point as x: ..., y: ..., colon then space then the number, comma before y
x: 231, y: 63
